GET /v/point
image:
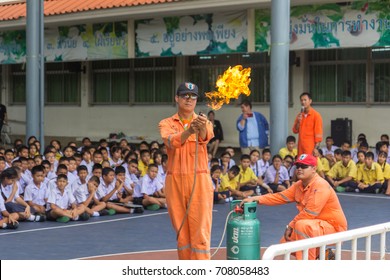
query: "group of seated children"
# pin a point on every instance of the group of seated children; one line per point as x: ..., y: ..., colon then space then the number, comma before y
x: 350, y: 169
x: 76, y: 186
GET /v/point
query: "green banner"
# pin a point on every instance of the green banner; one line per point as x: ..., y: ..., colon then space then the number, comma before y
x: 70, y: 43
x: 360, y: 24
x: 191, y: 35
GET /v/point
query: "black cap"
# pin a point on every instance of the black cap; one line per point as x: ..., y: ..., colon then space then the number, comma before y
x: 187, y: 87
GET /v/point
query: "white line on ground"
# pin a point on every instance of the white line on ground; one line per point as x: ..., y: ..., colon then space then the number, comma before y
x: 365, y: 196
x: 85, y: 224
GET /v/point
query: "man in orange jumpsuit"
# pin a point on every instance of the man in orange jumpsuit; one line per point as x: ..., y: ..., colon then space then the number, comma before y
x: 188, y: 185
x: 308, y: 124
x: 320, y: 212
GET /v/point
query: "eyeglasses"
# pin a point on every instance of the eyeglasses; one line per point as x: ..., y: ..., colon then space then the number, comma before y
x: 303, y: 166
x: 288, y: 161
x: 189, y: 96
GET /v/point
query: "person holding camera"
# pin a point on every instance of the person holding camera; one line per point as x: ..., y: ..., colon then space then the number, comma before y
x: 253, y: 129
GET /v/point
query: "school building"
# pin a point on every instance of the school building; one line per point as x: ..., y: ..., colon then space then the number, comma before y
x: 113, y: 66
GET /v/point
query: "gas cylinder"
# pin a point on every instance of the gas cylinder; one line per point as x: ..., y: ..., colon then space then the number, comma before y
x: 243, y: 228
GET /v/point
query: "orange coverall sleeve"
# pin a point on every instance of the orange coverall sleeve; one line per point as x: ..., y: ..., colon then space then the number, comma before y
x: 284, y: 197
x: 294, y: 130
x: 318, y: 128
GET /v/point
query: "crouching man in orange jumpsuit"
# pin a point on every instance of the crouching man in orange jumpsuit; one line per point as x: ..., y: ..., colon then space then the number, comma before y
x: 190, y: 203
x: 320, y: 212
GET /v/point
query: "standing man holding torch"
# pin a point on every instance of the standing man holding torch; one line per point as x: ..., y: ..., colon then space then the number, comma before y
x: 188, y: 185
x: 308, y: 124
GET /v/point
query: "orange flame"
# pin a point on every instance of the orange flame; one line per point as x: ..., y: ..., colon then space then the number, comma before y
x: 234, y: 82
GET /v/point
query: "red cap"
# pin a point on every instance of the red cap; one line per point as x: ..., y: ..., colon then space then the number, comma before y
x: 307, y: 159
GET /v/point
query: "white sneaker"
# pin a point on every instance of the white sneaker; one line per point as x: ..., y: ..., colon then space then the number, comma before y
x: 357, y: 190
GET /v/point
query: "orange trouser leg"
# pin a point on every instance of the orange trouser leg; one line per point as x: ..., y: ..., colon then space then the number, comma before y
x: 194, y: 238
x: 305, y: 146
x: 307, y: 229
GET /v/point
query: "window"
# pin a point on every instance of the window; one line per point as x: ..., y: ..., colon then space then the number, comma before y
x: 381, y: 68
x: 111, y: 81
x: 205, y: 70
x: 18, y: 84
x: 154, y: 80
x: 63, y: 83
x: 338, y: 75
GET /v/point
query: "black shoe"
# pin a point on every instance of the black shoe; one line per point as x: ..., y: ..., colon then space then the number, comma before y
x: 84, y: 217
x: 103, y: 212
x: 12, y: 226
x: 40, y: 218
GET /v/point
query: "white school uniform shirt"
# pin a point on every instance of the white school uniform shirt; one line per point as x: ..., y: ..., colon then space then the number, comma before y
x: 104, y: 189
x: 71, y: 178
x: 257, y: 169
x: 35, y: 194
x: 24, y: 181
x: 2, y: 204
x: 62, y: 200
x: 263, y: 166
x: 7, y: 190
x: 114, y: 164
x: 88, y: 165
x: 150, y: 186
x: 161, y: 175
x: 270, y: 175
x: 325, y: 150
x: 79, y: 191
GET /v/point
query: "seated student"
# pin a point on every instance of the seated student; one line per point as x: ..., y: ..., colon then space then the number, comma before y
x: 247, y: 180
x: 229, y: 182
x: 61, y: 204
x: 343, y: 174
x: 369, y: 176
x: 144, y: 162
x: 87, y: 160
x: 37, y: 160
x: 382, y: 157
x: 7, y: 222
x: 97, y: 157
x: 162, y: 174
x: 72, y: 167
x: 384, y: 147
x: 116, y: 156
x: 126, y: 193
x: 9, y: 156
x: 214, y: 162
x: 149, y: 192
x: 288, y: 162
x: 224, y: 162
x: 264, y: 161
x: 2, y: 164
x: 11, y: 200
x: 96, y: 171
x: 50, y: 156
x: 362, y: 147
x: 108, y: 191
x: 85, y: 193
x: 133, y: 174
x: 231, y: 151
x: 37, y: 192
x: 324, y: 163
x: 257, y: 169
x: 216, y: 172
x: 361, y: 159
x: 328, y: 150
x: 276, y: 176
x: 290, y: 148
x: 337, y: 156
x: 61, y: 169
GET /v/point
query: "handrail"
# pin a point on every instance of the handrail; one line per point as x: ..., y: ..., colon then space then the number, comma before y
x: 336, y: 238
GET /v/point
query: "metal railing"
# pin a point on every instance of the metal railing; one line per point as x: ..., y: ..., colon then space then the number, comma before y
x: 333, y: 239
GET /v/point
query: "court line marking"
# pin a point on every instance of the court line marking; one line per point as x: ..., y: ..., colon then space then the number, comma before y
x: 362, y: 195
x: 83, y: 224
